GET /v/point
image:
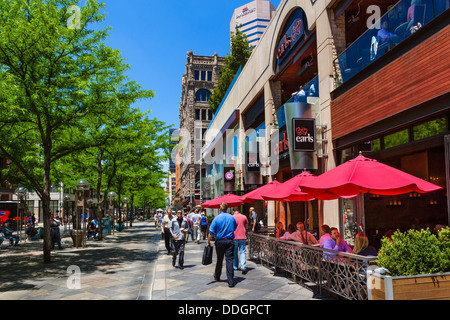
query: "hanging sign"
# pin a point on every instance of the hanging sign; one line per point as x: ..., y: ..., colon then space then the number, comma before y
x: 304, y: 134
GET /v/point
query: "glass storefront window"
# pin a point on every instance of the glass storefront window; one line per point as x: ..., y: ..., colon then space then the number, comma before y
x: 350, y: 223
x: 376, y: 145
x: 396, y: 139
x: 430, y: 128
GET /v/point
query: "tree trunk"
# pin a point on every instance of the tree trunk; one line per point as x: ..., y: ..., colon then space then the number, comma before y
x: 46, y: 209
x: 132, y: 211
x: 100, y: 202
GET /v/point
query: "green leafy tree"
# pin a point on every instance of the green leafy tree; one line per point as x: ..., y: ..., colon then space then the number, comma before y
x: 240, y: 53
x: 54, y: 80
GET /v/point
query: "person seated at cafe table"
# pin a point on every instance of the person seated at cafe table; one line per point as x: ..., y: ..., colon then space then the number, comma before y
x: 362, y: 246
x: 290, y: 230
x: 325, y: 236
x: 302, y: 236
x: 279, y: 230
x: 336, y: 243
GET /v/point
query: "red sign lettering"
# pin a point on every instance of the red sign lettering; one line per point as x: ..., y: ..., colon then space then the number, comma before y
x: 291, y: 36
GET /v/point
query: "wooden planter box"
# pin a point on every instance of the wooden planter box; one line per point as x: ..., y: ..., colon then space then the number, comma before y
x: 420, y: 287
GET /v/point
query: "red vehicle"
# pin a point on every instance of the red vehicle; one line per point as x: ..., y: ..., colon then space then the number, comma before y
x: 8, y: 213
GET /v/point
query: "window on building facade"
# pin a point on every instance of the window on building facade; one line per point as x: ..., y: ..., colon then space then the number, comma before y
x: 209, y: 75
x: 396, y: 139
x: 204, y: 114
x: 430, y: 128
x: 197, y: 75
x: 202, y: 95
x: 203, y: 76
x: 197, y: 114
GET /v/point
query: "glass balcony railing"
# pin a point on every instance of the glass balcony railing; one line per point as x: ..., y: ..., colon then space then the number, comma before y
x: 311, y: 89
x: 405, y: 18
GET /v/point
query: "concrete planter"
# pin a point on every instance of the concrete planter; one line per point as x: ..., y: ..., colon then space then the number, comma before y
x: 419, y: 287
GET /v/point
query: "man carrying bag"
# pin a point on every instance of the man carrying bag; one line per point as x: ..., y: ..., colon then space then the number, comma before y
x: 223, y: 227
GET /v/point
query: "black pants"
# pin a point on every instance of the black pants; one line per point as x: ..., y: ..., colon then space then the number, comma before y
x: 178, y: 249
x: 55, y: 235
x: 225, y: 247
x: 167, y: 239
x: 203, y: 229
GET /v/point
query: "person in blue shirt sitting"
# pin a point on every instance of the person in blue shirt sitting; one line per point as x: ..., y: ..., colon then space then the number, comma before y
x: 9, y: 234
x: 223, y: 227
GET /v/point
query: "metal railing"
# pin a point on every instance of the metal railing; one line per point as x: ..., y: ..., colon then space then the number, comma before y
x: 341, y: 273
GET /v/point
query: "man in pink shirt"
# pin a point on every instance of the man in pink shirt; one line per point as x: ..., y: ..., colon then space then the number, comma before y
x: 302, y: 236
x: 240, y: 237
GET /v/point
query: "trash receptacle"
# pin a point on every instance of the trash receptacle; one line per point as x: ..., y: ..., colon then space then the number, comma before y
x: 77, y: 237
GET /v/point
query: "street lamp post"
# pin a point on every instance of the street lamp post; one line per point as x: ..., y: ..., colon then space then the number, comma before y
x: 126, y: 201
x: 81, y: 188
x: 66, y: 211
x: 112, y: 196
x: 21, y: 193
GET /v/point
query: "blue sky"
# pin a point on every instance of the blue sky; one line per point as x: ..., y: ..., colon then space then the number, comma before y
x: 154, y: 37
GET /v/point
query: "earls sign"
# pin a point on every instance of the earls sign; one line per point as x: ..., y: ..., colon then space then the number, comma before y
x: 303, y: 133
x: 294, y: 33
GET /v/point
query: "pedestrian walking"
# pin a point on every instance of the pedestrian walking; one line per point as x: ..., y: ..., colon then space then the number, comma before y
x: 55, y: 233
x: 240, y: 238
x: 186, y: 216
x: 223, y: 227
x: 166, y: 230
x: 179, y: 227
x: 191, y: 226
x: 196, y: 220
x: 204, y: 225
x: 254, y: 223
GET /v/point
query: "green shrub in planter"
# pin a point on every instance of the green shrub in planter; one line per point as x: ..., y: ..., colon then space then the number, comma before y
x: 444, y: 240
x: 415, y: 252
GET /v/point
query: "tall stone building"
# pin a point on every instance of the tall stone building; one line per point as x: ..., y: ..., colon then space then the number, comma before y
x: 200, y: 78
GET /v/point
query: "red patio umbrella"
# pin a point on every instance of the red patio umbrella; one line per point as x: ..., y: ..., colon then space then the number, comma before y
x: 297, y: 195
x: 256, y: 194
x: 230, y: 199
x: 289, y: 191
x: 364, y: 175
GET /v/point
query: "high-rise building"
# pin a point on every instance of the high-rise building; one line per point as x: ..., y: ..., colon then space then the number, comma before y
x: 252, y: 19
x: 200, y: 78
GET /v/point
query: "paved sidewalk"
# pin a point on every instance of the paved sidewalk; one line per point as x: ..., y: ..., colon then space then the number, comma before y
x: 118, y: 268
x: 132, y: 265
x: 196, y: 282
